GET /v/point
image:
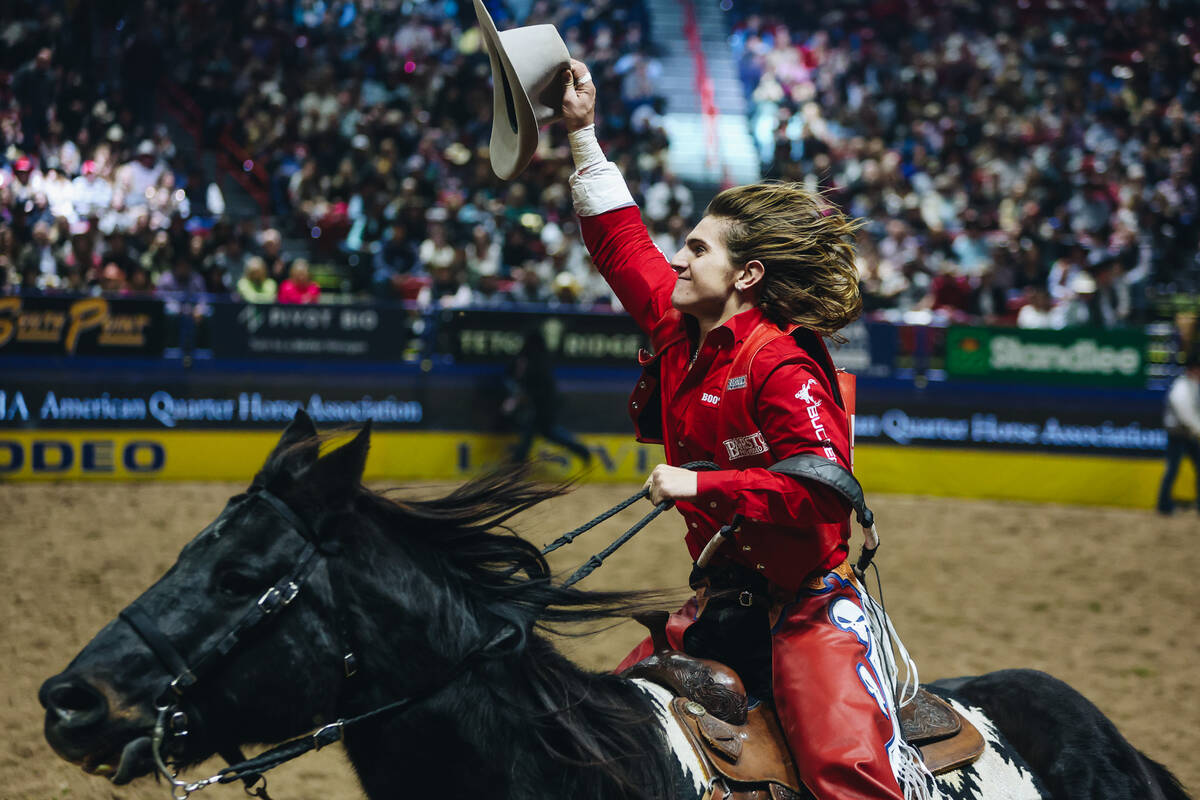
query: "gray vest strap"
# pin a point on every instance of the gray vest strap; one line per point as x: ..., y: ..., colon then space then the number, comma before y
x: 811, y: 467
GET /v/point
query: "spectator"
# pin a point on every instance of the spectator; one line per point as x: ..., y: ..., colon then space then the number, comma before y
x: 1111, y: 303
x: 299, y: 287
x: 137, y: 178
x: 446, y: 289
x: 394, y: 258
x: 489, y: 291
x: 59, y: 194
x: 668, y: 197
x: 91, y: 193
x: 42, y: 256
x: 228, y: 261
x: 529, y: 286
x: 112, y: 281
x: 27, y: 181
x: 182, y: 288
x: 270, y: 244
x: 988, y: 301
x: 436, y: 251
x: 483, y: 253
x: 256, y: 285
x: 1078, y: 309
x: 1182, y: 421
x: 1039, y: 311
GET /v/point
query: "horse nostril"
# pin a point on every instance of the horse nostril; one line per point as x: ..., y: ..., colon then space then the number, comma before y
x: 75, y: 703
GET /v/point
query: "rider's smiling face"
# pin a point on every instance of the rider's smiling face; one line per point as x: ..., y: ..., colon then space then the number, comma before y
x: 705, y: 277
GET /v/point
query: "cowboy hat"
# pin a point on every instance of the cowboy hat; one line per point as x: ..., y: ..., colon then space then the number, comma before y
x: 527, y: 65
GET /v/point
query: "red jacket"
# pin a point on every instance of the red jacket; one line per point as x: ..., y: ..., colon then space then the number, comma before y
x: 792, y: 527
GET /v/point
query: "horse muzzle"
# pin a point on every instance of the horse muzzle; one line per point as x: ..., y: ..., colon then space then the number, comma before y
x: 82, y: 728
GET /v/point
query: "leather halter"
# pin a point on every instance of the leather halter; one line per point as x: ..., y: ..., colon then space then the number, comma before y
x: 187, y: 674
x: 274, y: 599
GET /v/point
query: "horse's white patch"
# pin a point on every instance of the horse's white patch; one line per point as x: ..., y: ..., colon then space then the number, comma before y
x: 680, y: 745
x: 992, y: 776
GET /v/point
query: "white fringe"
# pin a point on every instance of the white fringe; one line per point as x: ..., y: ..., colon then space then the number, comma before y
x: 889, y: 646
x: 915, y: 779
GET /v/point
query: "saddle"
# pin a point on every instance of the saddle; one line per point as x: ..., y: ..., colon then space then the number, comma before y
x: 745, y: 746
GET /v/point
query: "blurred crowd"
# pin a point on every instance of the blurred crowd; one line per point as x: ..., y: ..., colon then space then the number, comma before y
x: 1032, y: 163
x: 1029, y: 163
x: 372, y: 121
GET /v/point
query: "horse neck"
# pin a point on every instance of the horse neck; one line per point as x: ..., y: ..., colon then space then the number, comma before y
x: 494, y: 729
x: 492, y: 732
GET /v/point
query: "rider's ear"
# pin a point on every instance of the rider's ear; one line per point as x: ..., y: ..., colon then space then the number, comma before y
x: 750, y: 276
x: 337, y: 474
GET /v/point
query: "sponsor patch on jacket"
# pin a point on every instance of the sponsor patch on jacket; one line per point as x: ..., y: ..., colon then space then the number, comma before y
x: 736, y: 383
x: 745, y: 446
x: 710, y: 399
x: 806, y: 395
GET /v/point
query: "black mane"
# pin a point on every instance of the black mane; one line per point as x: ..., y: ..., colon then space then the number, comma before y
x: 574, y: 717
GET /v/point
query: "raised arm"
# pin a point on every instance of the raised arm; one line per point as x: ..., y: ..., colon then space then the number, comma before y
x: 610, y: 221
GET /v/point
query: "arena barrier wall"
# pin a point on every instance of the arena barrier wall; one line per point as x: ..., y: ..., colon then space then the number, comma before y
x: 91, y: 390
x: 125, y: 455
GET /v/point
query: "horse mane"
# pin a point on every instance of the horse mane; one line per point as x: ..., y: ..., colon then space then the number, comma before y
x: 593, y: 721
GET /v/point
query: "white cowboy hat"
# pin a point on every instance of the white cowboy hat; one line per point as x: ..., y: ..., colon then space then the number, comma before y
x: 527, y: 66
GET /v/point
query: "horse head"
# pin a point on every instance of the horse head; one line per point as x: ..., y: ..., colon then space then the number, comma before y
x: 196, y: 641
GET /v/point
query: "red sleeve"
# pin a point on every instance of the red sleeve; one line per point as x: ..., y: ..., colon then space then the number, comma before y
x: 632, y: 264
x: 796, y: 411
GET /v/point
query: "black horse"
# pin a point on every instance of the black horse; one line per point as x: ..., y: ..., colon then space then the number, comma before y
x: 311, y: 599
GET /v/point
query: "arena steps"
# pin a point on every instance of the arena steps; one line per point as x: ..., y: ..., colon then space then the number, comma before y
x: 705, y: 148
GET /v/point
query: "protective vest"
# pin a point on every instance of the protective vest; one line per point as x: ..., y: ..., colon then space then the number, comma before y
x: 740, y: 438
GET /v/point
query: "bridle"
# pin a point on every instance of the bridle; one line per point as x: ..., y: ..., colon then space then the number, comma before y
x: 176, y: 712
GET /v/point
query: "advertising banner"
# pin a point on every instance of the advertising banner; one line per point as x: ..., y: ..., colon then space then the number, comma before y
x: 477, y: 336
x: 170, y: 405
x: 943, y: 415
x: 995, y: 417
x: 1069, y: 357
x: 153, y: 455
x: 369, y: 333
x: 233, y: 455
x: 87, y: 326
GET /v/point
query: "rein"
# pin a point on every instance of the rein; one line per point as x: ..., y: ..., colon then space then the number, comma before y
x: 589, y: 566
x: 174, y: 709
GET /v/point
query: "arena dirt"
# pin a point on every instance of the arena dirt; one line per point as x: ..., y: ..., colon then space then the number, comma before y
x: 1103, y: 599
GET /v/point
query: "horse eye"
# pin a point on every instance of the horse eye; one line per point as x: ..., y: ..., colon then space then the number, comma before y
x: 237, y: 584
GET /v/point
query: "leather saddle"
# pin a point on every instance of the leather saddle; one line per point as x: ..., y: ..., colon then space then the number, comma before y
x: 745, y: 746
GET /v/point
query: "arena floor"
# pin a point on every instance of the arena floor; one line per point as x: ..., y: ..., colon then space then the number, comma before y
x: 1103, y: 599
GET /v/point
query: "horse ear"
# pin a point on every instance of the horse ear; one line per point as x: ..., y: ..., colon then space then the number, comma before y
x: 300, y: 430
x: 343, y: 468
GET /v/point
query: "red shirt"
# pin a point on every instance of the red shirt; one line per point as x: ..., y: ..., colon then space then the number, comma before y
x: 289, y: 292
x: 794, y: 527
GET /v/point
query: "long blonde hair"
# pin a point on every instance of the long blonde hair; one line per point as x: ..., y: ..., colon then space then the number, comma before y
x: 806, y: 246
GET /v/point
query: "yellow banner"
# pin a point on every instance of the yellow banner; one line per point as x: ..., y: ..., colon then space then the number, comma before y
x: 424, y: 456
x: 237, y: 455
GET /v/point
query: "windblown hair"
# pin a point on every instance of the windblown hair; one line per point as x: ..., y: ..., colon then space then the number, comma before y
x: 590, y: 721
x: 806, y: 246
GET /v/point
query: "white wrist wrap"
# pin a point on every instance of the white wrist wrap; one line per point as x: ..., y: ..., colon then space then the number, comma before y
x: 585, y: 149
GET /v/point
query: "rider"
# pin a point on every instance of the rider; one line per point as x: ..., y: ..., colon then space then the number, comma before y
x: 763, y: 256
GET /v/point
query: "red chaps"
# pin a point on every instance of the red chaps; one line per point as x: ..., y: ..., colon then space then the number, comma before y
x: 829, y: 695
